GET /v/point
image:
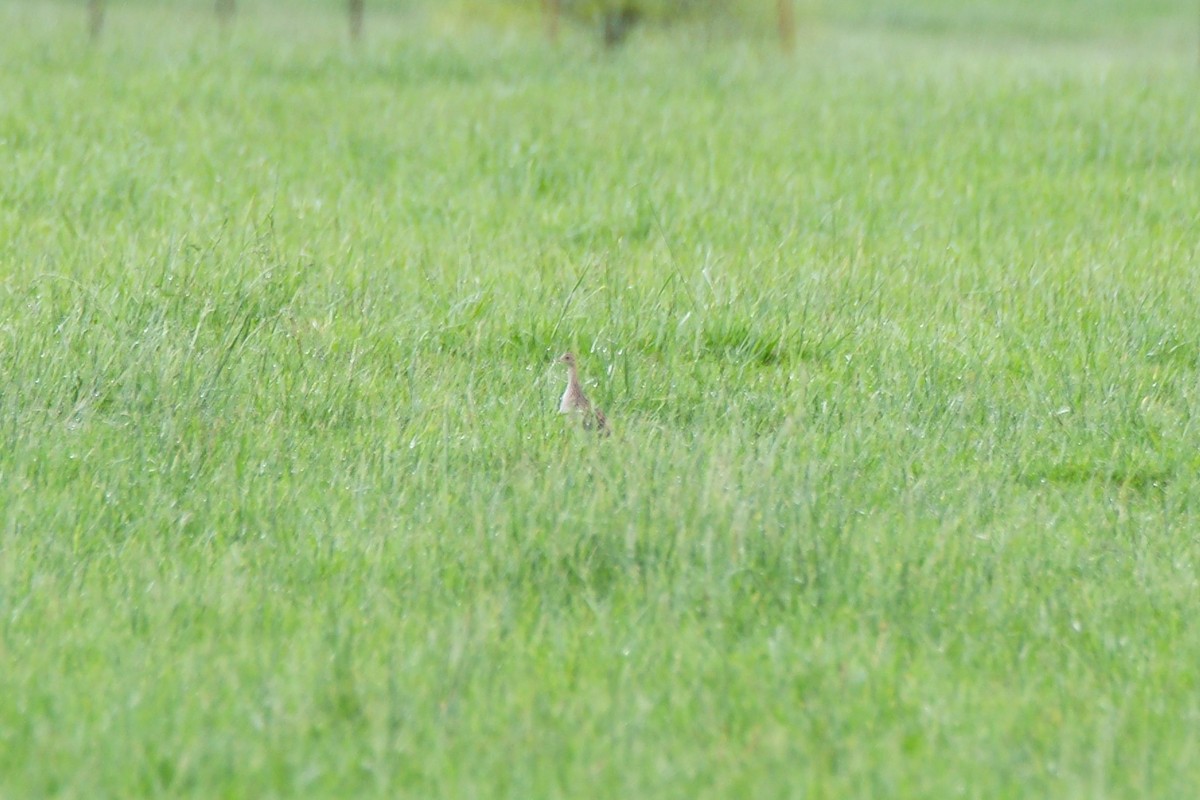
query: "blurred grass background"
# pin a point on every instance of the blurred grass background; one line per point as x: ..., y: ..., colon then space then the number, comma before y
x: 898, y: 336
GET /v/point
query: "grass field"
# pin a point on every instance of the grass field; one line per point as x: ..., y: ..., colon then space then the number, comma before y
x: 899, y: 339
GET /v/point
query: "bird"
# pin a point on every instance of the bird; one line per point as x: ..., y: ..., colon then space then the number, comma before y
x: 574, y: 401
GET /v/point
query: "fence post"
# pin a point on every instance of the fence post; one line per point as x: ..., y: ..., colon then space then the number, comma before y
x: 225, y: 11
x: 356, y: 19
x: 787, y: 25
x: 95, y: 18
x: 550, y: 9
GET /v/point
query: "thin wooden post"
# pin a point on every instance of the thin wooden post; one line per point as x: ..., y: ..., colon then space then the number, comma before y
x: 787, y: 25
x: 225, y: 12
x: 551, y: 9
x: 356, y: 19
x: 95, y: 18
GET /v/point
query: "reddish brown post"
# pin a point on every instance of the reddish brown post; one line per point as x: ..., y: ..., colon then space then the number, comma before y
x: 356, y: 19
x: 551, y: 9
x: 787, y: 25
x: 95, y: 18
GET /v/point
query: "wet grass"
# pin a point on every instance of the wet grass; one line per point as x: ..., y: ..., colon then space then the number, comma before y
x: 897, y: 338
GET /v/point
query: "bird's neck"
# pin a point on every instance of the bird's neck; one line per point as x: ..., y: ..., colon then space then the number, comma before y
x: 572, y: 376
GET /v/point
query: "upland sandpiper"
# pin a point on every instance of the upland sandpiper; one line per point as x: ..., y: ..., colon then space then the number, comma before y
x: 575, y: 402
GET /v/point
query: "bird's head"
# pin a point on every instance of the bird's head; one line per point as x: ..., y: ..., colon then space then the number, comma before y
x: 568, y: 359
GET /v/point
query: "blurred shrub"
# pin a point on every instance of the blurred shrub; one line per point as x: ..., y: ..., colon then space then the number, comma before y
x: 733, y: 15
x: 650, y: 10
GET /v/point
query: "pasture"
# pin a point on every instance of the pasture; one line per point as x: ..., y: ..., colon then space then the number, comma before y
x: 898, y: 337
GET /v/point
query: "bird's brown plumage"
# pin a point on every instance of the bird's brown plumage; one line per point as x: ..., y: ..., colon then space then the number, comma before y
x: 574, y: 401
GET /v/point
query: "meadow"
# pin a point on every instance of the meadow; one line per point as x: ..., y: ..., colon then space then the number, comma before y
x: 898, y: 336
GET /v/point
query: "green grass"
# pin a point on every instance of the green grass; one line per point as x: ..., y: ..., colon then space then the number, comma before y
x: 898, y: 337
